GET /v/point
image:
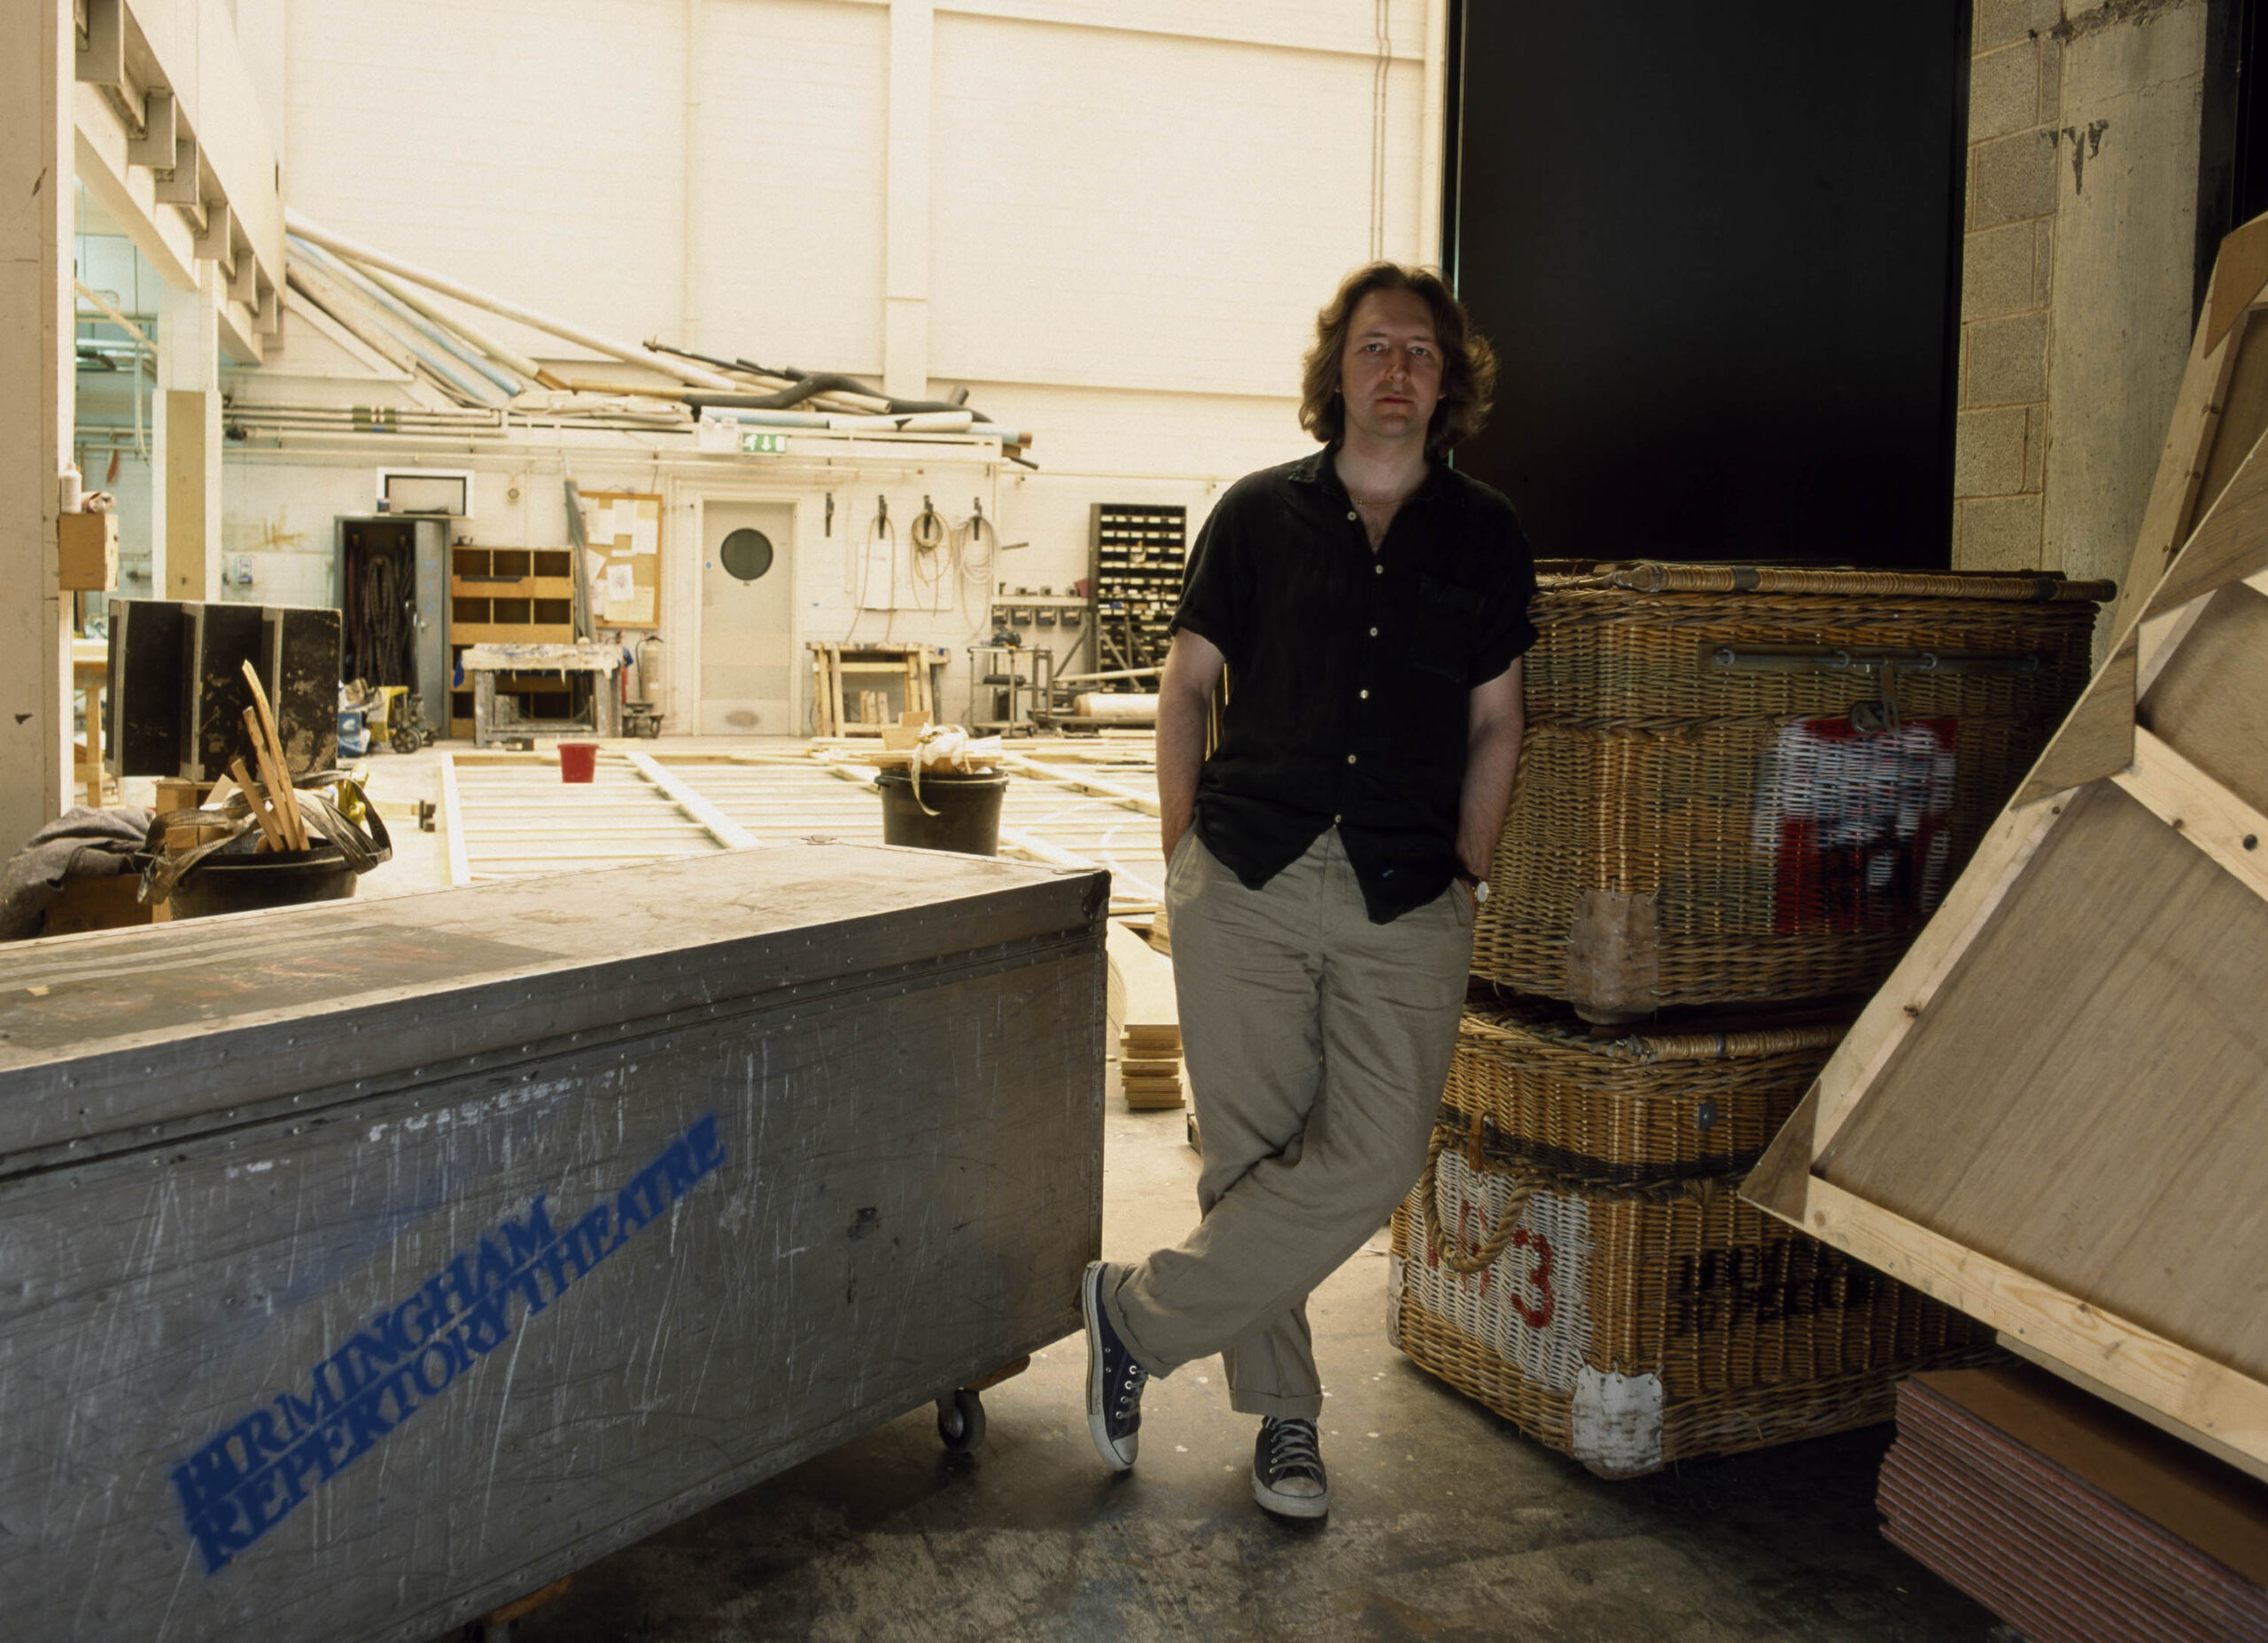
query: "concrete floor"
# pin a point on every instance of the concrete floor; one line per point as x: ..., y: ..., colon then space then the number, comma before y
x: 1446, y: 1522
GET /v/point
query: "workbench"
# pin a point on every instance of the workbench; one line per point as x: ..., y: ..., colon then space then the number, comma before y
x: 365, y: 1267
x: 914, y: 667
x: 482, y: 663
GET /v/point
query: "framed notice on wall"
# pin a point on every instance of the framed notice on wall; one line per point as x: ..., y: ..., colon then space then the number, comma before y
x: 624, y: 529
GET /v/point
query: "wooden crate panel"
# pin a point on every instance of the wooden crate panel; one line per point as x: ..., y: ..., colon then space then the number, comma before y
x: 2054, y: 1113
x: 2039, y: 1113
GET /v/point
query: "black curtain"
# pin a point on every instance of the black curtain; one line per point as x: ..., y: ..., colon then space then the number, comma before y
x: 1718, y: 251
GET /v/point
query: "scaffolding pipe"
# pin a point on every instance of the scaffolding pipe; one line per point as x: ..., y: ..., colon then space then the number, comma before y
x: 407, y: 294
x: 342, y: 289
x: 354, y: 251
x: 440, y: 336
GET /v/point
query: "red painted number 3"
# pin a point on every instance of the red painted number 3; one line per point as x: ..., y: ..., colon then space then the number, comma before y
x: 1472, y: 1231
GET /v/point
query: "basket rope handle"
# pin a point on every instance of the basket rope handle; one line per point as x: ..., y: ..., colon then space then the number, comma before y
x: 1499, y: 1239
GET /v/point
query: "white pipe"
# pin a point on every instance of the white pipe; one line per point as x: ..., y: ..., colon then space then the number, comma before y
x: 311, y: 283
x: 1433, y: 137
x: 110, y: 312
x: 689, y: 327
x: 480, y: 341
x: 356, y: 252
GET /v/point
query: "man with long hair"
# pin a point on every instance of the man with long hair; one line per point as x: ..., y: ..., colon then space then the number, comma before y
x: 1369, y: 606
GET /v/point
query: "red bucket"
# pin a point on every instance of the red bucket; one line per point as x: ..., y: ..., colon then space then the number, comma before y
x: 578, y: 760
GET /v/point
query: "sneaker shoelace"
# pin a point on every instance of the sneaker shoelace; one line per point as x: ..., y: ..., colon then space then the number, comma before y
x: 1129, y: 1391
x: 1292, y: 1449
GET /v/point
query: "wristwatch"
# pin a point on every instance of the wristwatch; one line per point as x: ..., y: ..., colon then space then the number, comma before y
x: 1477, y: 885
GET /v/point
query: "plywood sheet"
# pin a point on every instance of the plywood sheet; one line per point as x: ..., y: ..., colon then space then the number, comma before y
x: 2089, y: 1101
x: 2221, y: 1513
x: 2056, y: 1521
x: 2054, y: 1114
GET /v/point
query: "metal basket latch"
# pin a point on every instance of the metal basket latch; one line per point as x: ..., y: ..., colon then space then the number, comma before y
x: 1879, y: 714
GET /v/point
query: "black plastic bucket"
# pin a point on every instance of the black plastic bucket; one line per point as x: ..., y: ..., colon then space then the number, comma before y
x: 227, y: 883
x: 968, y: 806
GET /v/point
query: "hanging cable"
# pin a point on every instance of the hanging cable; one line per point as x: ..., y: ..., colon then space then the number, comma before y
x: 977, y: 546
x: 932, y: 566
x: 881, y: 531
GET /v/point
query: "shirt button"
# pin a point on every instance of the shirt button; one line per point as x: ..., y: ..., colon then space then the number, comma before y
x: 1377, y: 570
x: 1362, y: 695
x: 1374, y: 632
x: 1335, y: 821
x: 1351, y: 514
x: 1350, y: 759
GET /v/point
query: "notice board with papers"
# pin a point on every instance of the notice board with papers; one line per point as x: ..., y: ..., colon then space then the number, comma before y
x: 624, y: 559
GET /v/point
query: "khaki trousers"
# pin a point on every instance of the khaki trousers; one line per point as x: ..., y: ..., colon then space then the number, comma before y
x: 1317, y: 1044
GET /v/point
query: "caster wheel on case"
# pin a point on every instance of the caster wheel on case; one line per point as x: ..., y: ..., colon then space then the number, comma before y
x: 961, y: 1421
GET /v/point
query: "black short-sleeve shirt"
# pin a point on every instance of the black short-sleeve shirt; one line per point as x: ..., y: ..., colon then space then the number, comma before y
x: 1350, y: 672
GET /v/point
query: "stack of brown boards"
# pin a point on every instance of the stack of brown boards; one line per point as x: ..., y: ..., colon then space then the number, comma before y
x: 2054, y: 1114
x: 2069, y: 1520
x: 1146, y: 1021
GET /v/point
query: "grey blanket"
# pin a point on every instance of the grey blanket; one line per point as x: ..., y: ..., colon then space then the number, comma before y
x: 79, y: 843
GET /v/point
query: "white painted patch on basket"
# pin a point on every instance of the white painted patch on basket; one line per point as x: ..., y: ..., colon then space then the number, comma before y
x: 1532, y: 1307
x: 1618, y: 1423
x: 1857, y: 823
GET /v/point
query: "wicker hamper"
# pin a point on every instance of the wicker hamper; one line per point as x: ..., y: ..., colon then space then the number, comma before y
x: 1631, y: 1326
x: 1754, y: 784
x: 1529, y: 1081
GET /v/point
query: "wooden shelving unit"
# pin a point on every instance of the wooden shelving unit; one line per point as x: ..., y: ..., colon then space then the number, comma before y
x: 511, y: 596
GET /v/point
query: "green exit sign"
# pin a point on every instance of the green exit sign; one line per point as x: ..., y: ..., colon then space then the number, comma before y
x: 751, y: 440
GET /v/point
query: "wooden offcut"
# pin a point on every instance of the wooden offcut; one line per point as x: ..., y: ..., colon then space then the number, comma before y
x: 2054, y: 1114
x: 1146, y: 1021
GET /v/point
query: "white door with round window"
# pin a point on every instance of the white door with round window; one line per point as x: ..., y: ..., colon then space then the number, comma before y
x: 747, y: 680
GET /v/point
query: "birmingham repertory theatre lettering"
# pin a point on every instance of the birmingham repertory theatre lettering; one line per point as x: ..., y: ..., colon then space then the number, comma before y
x: 251, y: 1476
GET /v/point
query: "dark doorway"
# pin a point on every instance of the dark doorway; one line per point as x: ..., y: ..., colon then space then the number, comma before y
x: 377, y: 601
x: 1717, y: 250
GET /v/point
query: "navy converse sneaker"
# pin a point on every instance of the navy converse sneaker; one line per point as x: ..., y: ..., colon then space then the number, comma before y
x: 1287, y: 1477
x: 1115, y: 1380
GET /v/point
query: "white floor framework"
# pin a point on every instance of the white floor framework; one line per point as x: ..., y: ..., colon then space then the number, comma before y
x: 1072, y: 803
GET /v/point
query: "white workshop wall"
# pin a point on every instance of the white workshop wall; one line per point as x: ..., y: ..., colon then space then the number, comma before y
x: 1140, y: 211
x: 1134, y: 212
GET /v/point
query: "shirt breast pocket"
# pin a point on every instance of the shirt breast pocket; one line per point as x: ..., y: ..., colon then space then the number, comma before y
x: 1449, y: 620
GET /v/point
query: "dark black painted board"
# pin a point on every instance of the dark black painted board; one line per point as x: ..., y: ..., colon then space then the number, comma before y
x: 222, y: 638
x: 178, y: 694
x: 299, y: 669
x: 147, y: 733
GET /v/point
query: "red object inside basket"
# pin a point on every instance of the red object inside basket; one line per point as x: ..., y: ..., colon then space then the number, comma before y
x: 1856, y: 823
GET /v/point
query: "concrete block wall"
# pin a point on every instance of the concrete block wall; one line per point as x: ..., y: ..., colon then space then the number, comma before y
x: 2077, y: 262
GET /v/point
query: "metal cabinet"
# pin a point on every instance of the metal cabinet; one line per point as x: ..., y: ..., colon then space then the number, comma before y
x: 363, y: 1266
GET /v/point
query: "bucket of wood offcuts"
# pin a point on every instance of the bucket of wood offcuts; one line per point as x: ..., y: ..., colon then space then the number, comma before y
x: 956, y: 813
x: 578, y: 761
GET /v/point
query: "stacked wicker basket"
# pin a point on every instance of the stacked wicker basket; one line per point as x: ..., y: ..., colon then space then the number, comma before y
x: 1743, y: 793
